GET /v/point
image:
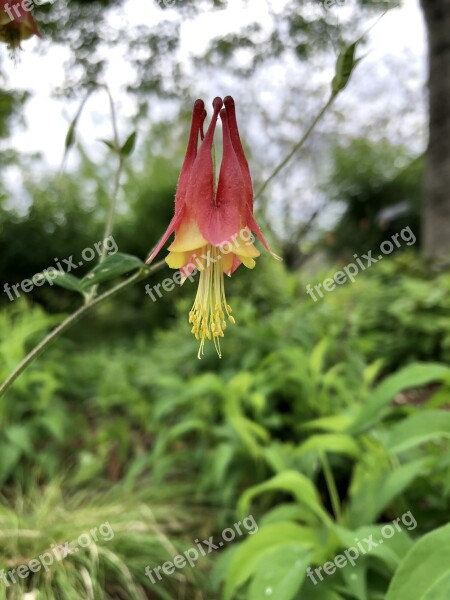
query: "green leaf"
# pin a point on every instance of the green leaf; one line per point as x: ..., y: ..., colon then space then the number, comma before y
x: 293, y: 482
x: 280, y: 573
x: 129, y: 145
x: 414, y: 375
x: 246, y: 560
x: 64, y: 280
x: 355, y: 580
x: 111, y: 145
x: 419, y: 428
x: 336, y: 423
x: 320, y: 593
x: 330, y: 442
x: 424, y: 573
x: 317, y: 359
x: 373, y: 489
x: 390, y: 552
x: 19, y: 436
x: 113, y: 266
x: 345, y: 65
x: 70, y: 136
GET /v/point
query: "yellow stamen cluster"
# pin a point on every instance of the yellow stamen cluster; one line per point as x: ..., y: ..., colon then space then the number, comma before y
x: 210, y: 310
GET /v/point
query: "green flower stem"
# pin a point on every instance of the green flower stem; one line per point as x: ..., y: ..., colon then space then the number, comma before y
x: 331, y: 485
x: 115, y: 193
x: 73, y: 318
x: 116, y: 188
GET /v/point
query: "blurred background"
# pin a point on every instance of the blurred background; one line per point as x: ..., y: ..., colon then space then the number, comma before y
x: 327, y: 416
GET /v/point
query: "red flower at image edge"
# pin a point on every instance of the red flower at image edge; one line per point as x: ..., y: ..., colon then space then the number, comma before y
x: 16, y: 24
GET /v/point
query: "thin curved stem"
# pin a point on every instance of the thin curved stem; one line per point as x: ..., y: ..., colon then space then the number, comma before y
x: 296, y: 148
x: 116, y: 187
x: 71, y: 319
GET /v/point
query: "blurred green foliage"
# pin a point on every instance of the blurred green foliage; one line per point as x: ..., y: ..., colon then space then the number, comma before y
x: 324, y: 420
x: 379, y: 187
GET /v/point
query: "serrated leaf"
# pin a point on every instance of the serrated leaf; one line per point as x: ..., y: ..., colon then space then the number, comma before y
x: 129, y: 145
x: 113, y: 266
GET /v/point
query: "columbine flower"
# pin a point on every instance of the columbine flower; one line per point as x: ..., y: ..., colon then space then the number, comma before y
x: 16, y: 24
x: 213, y: 225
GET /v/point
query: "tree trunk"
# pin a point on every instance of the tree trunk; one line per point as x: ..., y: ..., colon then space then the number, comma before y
x: 436, y: 209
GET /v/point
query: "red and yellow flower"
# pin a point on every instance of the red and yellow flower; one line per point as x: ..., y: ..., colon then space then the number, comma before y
x: 16, y: 23
x: 213, y: 224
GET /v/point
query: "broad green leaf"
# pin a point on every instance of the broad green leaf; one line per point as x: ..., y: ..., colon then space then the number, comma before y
x: 280, y: 573
x: 373, y: 489
x: 292, y: 482
x: 319, y: 592
x: 336, y: 423
x: 113, y: 266
x: 284, y: 512
x: 250, y: 433
x: 390, y: 550
x: 355, y: 579
x: 414, y: 375
x: 19, y: 435
x: 185, y: 427
x: 246, y: 560
x: 424, y: 574
x: 64, y: 280
x: 419, y: 428
x: 279, y: 456
x: 330, y: 442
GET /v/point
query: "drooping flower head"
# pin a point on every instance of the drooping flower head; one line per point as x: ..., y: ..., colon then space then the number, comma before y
x: 213, y: 224
x: 16, y: 23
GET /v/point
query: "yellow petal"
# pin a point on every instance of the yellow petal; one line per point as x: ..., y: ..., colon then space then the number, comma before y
x: 248, y: 250
x: 248, y: 262
x: 187, y: 238
x: 176, y: 260
x: 227, y: 260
